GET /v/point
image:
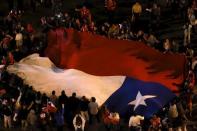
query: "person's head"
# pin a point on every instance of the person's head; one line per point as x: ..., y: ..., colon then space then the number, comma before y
x: 74, y: 94
x: 44, y: 94
x: 83, y: 98
x: 53, y: 92
x: 93, y: 99
x: 63, y: 92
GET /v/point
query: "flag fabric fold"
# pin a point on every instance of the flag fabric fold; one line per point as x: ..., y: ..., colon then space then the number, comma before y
x: 97, y: 55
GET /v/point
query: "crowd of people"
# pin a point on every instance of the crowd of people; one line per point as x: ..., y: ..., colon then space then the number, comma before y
x: 22, y: 107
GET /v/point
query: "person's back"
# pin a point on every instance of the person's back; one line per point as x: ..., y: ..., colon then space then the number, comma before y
x: 93, y: 106
x: 53, y: 98
x: 62, y: 98
x: 73, y: 102
x: 93, y: 109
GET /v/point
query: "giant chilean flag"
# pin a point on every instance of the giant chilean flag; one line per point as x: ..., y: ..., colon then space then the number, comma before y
x: 152, y: 75
x: 127, y: 76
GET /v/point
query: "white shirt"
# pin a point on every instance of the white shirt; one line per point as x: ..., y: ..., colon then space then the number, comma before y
x: 93, y: 107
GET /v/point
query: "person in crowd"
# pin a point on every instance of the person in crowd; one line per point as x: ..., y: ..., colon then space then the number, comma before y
x: 182, y: 116
x: 29, y: 28
x: 5, y: 43
x: 93, y: 110
x: 79, y: 122
x: 114, y: 120
x: 140, y: 36
x: 43, y: 121
x: 3, y: 61
x: 190, y: 83
x: 10, y: 58
x: 84, y: 28
x: 32, y: 119
x: 152, y: 41
x: 44, y: 99
x: 53, y: 98
x: 187, y: 33
x: 155, y: 123
x: 136, y: 12
x: 7, y: 112
x: 113, y: 31
x: 173, y: 116
x: 104, y: 29
x: 191, y: 18
x: 67, y: 19
x: 62, y: 98
x: 23, y: 112
x: 105, y: 117
x: 155, y: 16
x: 59, y: 117
x: 167, y: 46
x: 77, y: 25
x: 189, y: 53
x: 17, y: 107
x: 84, y: 108
x: 110, y: 6
x: 2, y: 69
x: 92, y: 27
x: 73, y: 103
x: 19, y: 40
x: 38, y: 102
x: 85, y: 14
x: 135, y: 122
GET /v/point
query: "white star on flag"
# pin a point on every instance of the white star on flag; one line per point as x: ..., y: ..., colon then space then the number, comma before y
x: 140, y: 100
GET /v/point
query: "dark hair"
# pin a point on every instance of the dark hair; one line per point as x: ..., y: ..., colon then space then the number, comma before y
x: 53, y: 92
x: 93, y: 99
x: 74, y: 94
